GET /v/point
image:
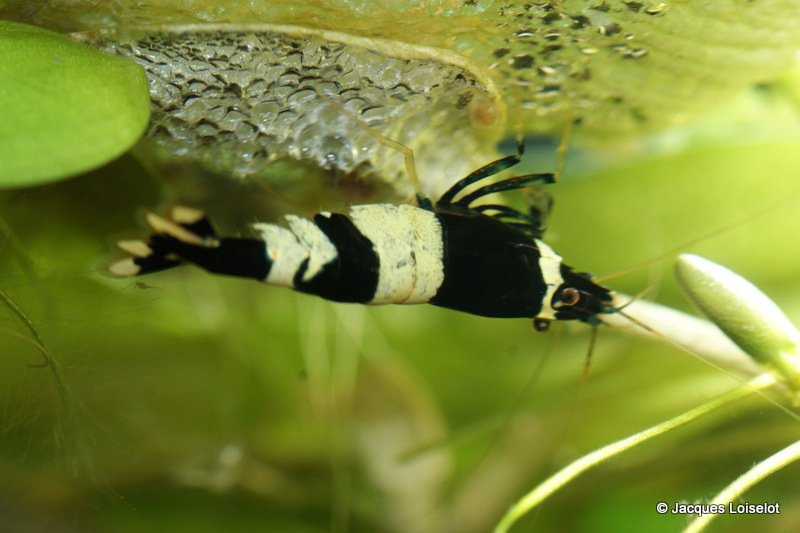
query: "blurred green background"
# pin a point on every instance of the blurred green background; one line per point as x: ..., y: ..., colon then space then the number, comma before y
x: 196, y: 403
x: 202, y: 403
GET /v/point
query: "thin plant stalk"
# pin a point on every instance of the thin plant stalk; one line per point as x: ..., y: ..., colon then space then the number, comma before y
x: 570, y: 472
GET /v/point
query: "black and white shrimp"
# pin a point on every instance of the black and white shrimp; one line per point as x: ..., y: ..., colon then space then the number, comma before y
x: 487, y: 260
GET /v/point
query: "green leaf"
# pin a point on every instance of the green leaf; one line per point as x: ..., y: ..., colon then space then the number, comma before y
x: 65, y: 108
x: 743, y: 313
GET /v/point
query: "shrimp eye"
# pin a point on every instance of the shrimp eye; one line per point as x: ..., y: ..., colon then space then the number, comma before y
x: 570, y: 296
x: 541, y: 324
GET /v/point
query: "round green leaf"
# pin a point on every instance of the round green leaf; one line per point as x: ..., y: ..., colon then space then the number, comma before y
x: 65, y: 108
